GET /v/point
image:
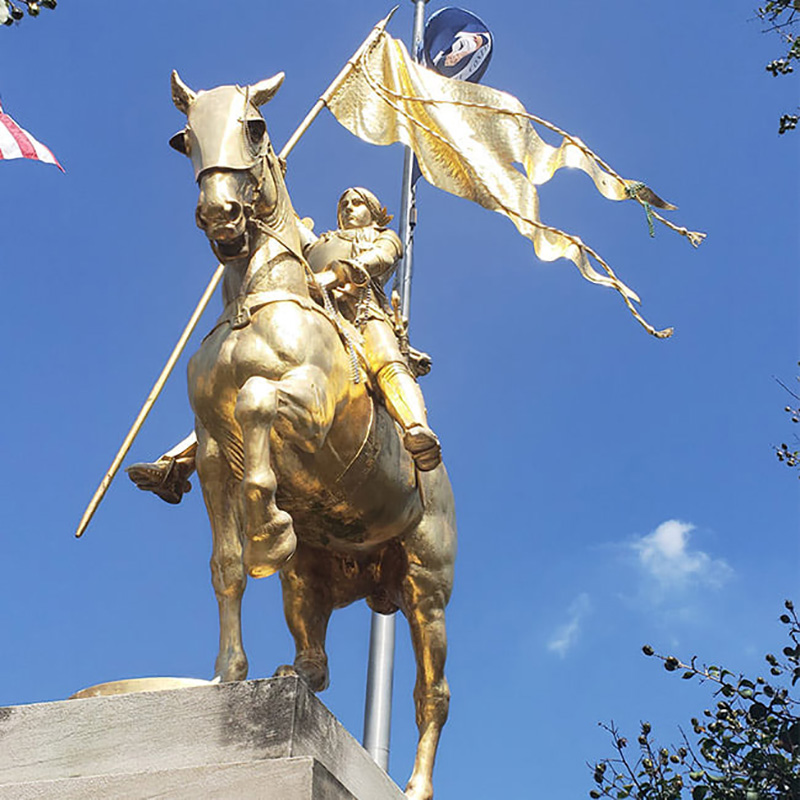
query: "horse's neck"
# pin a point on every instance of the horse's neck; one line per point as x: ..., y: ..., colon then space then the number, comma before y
x: 272, y: 267
x: 277, y: 262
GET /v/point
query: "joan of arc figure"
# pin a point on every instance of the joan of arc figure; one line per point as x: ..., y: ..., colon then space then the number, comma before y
x: 354, y: 262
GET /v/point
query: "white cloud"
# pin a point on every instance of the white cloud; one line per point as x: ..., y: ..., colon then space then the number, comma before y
x: 666, y: 555
x: 566, y: 635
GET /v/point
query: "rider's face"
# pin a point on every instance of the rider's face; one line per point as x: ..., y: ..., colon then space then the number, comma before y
x: 354, y: 211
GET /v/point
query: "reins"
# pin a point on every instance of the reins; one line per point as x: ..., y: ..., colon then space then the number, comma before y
x: 238, y: 313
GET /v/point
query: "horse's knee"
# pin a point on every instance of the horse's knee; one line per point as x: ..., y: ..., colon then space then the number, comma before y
x: 227, y: 574
x: 432, y: 702
x: 256, y: 403
x: 258, y: 483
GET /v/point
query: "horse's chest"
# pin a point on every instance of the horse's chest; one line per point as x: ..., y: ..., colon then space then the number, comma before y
x: 218, y: 370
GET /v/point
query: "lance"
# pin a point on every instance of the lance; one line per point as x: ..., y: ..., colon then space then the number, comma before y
x: 380, y: 670
x: 215, y: 279
x: 150, y: 402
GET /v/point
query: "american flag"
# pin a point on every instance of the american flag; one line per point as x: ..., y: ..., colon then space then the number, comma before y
x: 15, y: 142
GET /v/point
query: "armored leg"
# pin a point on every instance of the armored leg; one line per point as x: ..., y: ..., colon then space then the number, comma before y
x: 168, y: 477
x: 402, y: 394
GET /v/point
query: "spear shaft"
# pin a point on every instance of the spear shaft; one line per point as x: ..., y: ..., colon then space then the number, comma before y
x: 151, y: 399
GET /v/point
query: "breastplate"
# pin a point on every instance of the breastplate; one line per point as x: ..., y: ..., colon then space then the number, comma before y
x: 327, y: 250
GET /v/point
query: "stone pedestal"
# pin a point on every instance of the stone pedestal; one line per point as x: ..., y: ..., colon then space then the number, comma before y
x: 268, y: 739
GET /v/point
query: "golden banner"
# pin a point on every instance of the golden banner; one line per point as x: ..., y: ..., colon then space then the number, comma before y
x: 468, y: 138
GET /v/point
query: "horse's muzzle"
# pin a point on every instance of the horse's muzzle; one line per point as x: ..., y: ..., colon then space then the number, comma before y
x: 220, y: 209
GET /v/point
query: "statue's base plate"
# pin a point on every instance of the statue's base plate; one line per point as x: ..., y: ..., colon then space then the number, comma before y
x: 250, y: 740
x: 131, y: 685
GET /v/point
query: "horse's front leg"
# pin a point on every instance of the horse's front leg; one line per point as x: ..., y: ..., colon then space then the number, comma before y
x: 270, y: 540
x: 301, y: 411
x: 307, y: 603
x: 227, y: 573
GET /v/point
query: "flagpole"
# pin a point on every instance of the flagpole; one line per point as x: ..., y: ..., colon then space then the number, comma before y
x: 408, y: 204
x: 380, y: 670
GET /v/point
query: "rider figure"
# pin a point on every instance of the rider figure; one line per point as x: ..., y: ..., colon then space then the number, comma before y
x: 354, y: 262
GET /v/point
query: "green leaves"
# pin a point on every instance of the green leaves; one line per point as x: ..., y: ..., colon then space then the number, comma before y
x: 11, y: 13
x: 746, y: 748
x: 782, y: 17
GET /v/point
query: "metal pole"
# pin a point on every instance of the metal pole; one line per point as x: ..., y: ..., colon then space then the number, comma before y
x: 408, y: 203
x: 378, y: 712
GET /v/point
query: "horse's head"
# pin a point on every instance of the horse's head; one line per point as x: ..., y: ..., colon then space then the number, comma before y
x: 226, y: 139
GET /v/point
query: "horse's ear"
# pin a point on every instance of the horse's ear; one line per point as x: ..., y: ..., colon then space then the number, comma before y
x: 182, y: 95
x: 263, y: 91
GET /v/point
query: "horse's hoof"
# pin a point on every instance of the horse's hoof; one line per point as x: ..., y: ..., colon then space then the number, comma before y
x: 422, y: 790
x: 231, y: 668
x: 285, y: 671
x: 314, y: 672
x: 266, y: 553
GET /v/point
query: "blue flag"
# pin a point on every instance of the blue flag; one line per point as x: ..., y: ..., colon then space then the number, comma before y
x: 457, y: 44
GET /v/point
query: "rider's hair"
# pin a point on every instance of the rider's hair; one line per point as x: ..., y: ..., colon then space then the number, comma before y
x: 380, y: 215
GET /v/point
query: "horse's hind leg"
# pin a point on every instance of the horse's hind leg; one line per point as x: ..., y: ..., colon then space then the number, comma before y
x: 425, y: 590
x: 227, y: 573
x: 269, y: 535
x: 431, y: 692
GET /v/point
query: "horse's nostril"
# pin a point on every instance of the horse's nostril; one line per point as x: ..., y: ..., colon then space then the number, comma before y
x: 216, y: 213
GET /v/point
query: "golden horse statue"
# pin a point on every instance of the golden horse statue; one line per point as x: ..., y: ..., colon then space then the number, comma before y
x: 302, y: 471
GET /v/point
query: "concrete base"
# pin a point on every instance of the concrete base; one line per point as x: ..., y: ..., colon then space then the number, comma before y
x: 266, y: 740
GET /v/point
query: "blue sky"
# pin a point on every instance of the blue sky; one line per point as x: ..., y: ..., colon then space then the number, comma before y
x: 611, y: 489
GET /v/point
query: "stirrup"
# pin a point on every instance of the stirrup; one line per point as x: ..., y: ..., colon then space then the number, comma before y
x: 166, y: 477
x: 423, y: 445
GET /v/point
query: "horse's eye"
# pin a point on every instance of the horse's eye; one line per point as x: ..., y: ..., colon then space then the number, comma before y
x: 180, y: 142
x: 256, y: 130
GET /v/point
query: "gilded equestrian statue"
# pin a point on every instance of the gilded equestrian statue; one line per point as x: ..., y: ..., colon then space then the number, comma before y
x: 303, y: 470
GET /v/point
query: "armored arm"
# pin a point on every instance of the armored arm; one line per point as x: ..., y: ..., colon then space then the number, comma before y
x: 373, y: 263
x: 338, y: 261
x: 380, y: 260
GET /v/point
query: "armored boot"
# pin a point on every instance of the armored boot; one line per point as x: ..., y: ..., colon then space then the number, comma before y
x: 168, y: 477
x: 406, y: 405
